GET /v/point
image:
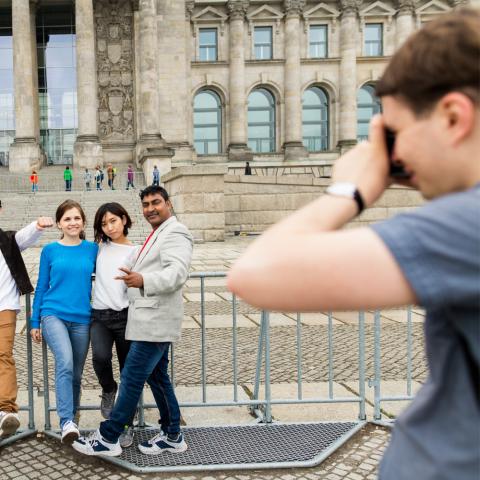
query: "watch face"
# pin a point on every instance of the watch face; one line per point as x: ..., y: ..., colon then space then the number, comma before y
x: 344, y: 189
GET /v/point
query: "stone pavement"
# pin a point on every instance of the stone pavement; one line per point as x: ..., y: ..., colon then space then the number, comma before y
x: 43, y: 457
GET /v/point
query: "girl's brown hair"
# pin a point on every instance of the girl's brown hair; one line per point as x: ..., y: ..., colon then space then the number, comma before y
x: 67, y: 205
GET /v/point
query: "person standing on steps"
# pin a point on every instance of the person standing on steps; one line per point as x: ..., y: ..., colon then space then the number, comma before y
x: 67, y: 176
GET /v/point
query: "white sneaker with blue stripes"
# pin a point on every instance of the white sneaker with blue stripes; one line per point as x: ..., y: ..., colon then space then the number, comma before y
x: 163, y: 443
x: 95, y: 444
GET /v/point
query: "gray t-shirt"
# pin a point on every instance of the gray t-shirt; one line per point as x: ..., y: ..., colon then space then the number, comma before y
x: 438, y: 249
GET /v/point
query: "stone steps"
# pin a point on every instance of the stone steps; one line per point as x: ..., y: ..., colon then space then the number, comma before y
x: 21, y: 209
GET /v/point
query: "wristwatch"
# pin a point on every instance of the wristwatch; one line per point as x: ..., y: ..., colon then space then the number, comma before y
x: 347, y: 190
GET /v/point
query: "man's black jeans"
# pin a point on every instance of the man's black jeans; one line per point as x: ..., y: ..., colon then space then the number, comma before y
x: 108, y: 327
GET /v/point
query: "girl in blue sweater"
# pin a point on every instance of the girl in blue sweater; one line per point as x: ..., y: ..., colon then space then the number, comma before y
x: 61, y: 309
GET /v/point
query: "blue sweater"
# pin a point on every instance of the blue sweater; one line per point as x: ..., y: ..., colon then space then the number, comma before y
x: 65, y: 282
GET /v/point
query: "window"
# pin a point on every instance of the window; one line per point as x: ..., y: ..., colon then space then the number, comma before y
x: 57, y: 82
x: 315, y: 119
x: 261, y: 121
x: 263, y: 43
x: 367, y: 106
x: 7, y: 106
x: 373, y: 39
x: 208, y: 45
x: 318, y: 41
x: 207, y: 123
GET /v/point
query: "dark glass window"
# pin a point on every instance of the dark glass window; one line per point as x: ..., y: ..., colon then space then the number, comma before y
x: 263, y: 43
x: 368, y: 104
x: 261, y: 121
x: 373, y: 39
x: 315, y: 119
x: 318, y: 41
x: 57, y: 82
x: 207, y: 123
x: 208, y: 44
x: 7, y: 105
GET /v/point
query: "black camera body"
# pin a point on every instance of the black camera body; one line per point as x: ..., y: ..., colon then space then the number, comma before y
x: 396, y: 169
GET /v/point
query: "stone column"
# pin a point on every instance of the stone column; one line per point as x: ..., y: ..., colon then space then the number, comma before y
x: 348, y: 75
x: 405, y: 21
x: 293, y: 146
x: 25, y: 152
x: 237, y: 148
x: 87, y: 149
x: 151, y: 148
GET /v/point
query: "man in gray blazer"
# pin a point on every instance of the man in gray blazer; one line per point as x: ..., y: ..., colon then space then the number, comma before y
x: 155, y: 316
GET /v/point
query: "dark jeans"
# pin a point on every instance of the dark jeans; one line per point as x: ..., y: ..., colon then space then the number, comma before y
x: 108, y: 327
x: 146, y: 361
x: 130, y: 184
x: 68, y: 185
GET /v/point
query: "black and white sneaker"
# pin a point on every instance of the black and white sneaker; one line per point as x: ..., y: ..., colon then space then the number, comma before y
x: 163, y: 443
x: 69, y: 432
x: 95, y: 444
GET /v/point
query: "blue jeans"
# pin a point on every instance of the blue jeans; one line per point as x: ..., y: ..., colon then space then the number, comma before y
x: 68, y: 342
x: 146, y: 362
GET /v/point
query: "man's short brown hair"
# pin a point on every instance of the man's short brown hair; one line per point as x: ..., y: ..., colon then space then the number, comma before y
x: 442, y: 57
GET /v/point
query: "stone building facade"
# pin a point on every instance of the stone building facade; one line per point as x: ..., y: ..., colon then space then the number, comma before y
x: 280, y: 83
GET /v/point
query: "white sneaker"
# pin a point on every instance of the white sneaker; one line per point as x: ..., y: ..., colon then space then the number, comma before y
x: 163, y: 443
x: 70, y: 432
x: 96, y: 445
x: 9, y: 423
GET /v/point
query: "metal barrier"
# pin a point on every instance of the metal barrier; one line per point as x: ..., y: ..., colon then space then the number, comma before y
x: 276, y: 444
x: 30, y: 430
x: 376, y: 382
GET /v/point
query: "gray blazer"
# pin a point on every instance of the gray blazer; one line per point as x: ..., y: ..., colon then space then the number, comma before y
x: 155, y: 311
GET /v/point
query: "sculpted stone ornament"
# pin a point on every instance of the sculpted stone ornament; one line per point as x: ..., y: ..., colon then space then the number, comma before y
x: 114, y: 51
x: 458, y: 3
x: 238, y: 9
x: 350, y: 6
x: 189, y: 8
x: 407, y: 6
x: 295, y: 7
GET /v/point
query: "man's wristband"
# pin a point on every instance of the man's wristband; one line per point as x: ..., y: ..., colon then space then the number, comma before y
x: 347, y: 190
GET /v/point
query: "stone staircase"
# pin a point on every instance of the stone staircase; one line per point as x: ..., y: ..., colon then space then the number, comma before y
x: 21, y: 209
x: 50, y: 179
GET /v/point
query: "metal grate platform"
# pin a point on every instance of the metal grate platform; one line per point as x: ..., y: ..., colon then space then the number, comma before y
x: 242, y: 447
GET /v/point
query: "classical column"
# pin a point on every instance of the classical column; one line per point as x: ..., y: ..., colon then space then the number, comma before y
x: 148, y: 71
x: 293, y: 146
x: 25, y: 151
x: 348, y: 75
x: 237, y: 149
x: 87, y: 149
x: 151, y: 148
x: 405, y: 21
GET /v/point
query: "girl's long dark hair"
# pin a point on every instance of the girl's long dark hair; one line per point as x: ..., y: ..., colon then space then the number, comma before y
x: 115, y: 209
x: 67, y: 205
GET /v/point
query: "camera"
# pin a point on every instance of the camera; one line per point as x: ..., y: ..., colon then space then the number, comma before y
x: 396, y: 169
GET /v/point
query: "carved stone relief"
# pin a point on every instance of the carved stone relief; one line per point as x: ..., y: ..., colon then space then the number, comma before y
x: 115, y: 69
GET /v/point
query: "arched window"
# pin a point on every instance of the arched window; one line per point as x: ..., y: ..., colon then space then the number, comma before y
x: 207, y: 123
x: 261, y: 121
x: 315, y: 119
x: 367, y: 106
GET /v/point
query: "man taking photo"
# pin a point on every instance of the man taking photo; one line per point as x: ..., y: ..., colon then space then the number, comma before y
x: 430, y: 256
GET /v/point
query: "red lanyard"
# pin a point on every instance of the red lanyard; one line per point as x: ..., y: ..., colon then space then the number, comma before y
x: 146, y: 241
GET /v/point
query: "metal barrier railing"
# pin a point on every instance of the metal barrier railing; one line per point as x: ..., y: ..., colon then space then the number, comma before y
x: 261, y: 399
x: 29, y: 407
x: 377, y: 380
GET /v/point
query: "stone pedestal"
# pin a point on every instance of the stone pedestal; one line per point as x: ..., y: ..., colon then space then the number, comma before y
x: 239, y: 152
x: 87, y: 152
x: 197, y: 195
x: 295, y: 151
x: 25, y: 155
x: 151, y: 154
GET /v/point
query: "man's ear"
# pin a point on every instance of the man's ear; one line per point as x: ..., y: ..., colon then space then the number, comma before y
x: 458, y: 112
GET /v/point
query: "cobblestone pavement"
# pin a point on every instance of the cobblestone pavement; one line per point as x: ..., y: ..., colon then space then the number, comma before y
x: 44, y: 458
x: 314, y: 341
